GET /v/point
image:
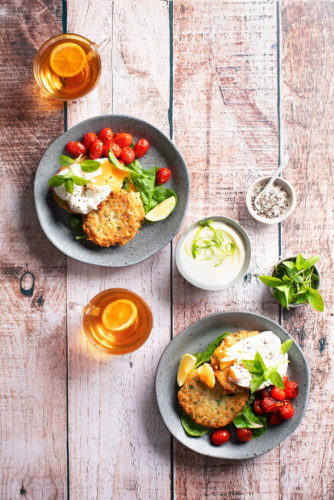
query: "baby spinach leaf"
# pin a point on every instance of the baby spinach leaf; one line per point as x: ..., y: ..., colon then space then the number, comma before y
x: 246, y: 418
x: 75, y: 222
x: 112, y: 158
x: 191, y: 427
x: 203, y: 357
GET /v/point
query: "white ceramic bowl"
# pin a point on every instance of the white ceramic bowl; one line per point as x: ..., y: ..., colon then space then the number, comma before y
x: 286, y: 212
x: 191, y: 277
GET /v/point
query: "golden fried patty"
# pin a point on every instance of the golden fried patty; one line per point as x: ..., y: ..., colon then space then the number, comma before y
x: 116, y: 221
x: 221, y: 369
x: 211, y: 408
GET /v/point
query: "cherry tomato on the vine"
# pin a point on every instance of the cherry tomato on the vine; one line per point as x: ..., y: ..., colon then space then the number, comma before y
x: 141, y: 148
x: 258, y: 407
x: 76, y: 148
x: 105, y: 135
x: 291, y: 389
x: 163, y: 174
x: 127, y: 155
x: 244, y: 435
x: 270, y: 405
x: 96, y: 149
x: 123, y: 139
x: 278, y: 394
x: 89, y: 138
x: 220, y: 436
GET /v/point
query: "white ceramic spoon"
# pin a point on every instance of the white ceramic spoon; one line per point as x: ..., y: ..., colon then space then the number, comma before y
x: 266, y: 189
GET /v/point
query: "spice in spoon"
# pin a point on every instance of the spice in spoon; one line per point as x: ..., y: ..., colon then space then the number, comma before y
x: 271, y: 204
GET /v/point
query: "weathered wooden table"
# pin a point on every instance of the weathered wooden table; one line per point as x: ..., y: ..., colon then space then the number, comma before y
x: 226, y: 80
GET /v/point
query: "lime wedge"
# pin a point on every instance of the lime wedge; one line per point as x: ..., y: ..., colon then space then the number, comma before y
x: 187, y: 363
x: 161, y: 211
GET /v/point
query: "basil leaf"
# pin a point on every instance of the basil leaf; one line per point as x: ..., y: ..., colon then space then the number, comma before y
x: 309, y: 262
x: 69, y: 185
x: 256, y: 382
x: 56, y: 180
x: 90, y: 165
x: 276, y: 379
x: 286, y: 345
x: 280, y: 296
x: 203, y: 357
x: 65, y: 161
x: 289, y: 264
x: 271, y: 281
x: 315, y: 300
x: 258, y: 358
x: 191, y: 427
x: 299, y: 261
x: 252, y: 366
x: 298, y: 279
x: 79, y: 181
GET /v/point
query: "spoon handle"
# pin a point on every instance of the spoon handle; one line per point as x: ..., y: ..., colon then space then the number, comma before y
x: 274, y: 177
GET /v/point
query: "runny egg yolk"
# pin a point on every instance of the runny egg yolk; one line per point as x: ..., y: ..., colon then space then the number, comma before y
x: 111, y: 176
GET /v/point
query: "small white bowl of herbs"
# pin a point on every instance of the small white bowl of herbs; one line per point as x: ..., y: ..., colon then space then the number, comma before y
x: 274, y: 206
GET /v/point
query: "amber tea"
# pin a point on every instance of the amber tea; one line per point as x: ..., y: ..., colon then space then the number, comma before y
x: 117, y: 321
x: 67, y: 66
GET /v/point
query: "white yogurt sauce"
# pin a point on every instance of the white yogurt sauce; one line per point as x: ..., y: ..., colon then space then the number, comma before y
x: 268, y: 345
x: 83, y: 199
x: 207, y: 271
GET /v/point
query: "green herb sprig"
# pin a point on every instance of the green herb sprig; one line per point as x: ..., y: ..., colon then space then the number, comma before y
x: 294, y: 282
x: 261, y: 373
x: 70, y: 179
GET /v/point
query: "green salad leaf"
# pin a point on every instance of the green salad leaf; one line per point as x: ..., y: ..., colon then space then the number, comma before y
x: 247, y: 419
x: 191, y: 427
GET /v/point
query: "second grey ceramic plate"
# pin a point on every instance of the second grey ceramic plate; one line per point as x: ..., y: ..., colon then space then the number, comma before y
x: 196, y: 338
x: 151, y: 237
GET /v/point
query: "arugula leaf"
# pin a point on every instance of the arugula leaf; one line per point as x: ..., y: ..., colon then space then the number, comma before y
x: 65, y: 161
x: 191, y: 427
x: 56, y: 180
x: 286, y: 345
x: 203, y: 357
x: 90, y: 165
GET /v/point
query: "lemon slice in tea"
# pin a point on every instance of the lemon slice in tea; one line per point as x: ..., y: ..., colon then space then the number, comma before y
x: 187, y: 363
x: 206, y: 375
x: 119, y: 315
x: 67, y: 59
x: 161, y: 211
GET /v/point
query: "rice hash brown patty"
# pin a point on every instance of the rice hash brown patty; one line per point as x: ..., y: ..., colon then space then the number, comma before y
x: 116, y: 221
x: 211, y: 408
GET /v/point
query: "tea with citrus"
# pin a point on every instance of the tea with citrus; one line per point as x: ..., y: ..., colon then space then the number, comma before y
x: 67, y: 66
x: 117, y: 321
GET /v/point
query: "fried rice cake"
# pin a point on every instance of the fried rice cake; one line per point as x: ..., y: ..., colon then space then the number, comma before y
x: 221, y: 368
x: 211, y: 408
x: 116, y: 221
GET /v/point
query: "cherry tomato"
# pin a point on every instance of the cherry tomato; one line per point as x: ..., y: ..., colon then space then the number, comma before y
x: 278, y: 394
x: 141, y: 148
x: 76, y: 148
x: 163, y: 174
x: 265, y: 393
x: 127, y: 155
x: 287, y: 411
x: 244, y: 435
x: 105, y: 135
x: 123, y: 139
x: 275, y: 419
x: 285, y: 379
x: 106, y: 147
x: 291, y: 389
x: 96, y: 149
x: 220, y: 437
x: 269, y: 405
x: 115, y: 149
x: 258, y: 407
x: 89, y: 138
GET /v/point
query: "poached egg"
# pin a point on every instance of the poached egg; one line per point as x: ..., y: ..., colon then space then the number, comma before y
x: 268, y: 345
x: 86, y: 198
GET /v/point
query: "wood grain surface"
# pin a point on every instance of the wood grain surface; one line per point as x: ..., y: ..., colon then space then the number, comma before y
x: 227, y: 81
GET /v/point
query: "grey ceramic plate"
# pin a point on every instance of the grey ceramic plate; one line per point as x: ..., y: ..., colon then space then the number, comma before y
x: 195, y: 339
x: 151, y: 237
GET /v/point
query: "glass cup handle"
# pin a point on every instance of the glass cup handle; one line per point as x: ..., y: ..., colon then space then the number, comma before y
x: 79, y: 308
x: 102, y: 45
